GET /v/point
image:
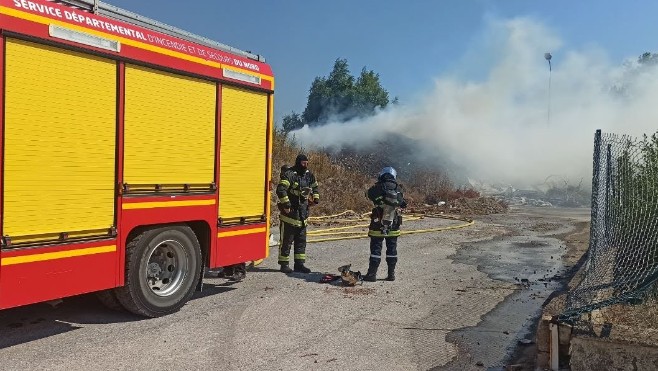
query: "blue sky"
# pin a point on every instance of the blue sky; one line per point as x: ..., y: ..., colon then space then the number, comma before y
x: 409, y: 43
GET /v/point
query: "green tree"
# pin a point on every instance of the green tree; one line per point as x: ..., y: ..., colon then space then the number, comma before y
x: 292, y: 122
x: 340, y: 96
x: 647, y: 58
x: 368, y: 93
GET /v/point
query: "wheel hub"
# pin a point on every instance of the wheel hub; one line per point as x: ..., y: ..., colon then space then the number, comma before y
x: 167, y: 267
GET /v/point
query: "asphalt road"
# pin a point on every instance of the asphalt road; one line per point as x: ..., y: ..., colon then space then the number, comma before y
x: 462, y: 300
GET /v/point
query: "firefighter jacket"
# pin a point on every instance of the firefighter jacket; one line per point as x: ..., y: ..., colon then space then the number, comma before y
x: 384, y: 194
x: 294, y: 192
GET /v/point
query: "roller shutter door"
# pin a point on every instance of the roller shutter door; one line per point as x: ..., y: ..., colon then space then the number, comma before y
x: 60, y: 140
x: 243, y: 152
x: 170, y: 123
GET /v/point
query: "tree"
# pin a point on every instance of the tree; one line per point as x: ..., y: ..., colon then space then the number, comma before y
x: 646, y: 63
x: 368, y: 93
x: 292, y: 122
x: 340, y: 96
x: 649, y: 59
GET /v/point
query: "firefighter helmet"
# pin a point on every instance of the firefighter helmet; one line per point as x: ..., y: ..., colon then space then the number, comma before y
x: 388, y: 170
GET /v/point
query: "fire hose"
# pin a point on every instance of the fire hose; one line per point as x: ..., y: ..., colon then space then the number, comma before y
x: 347, y: 234
x: 351, y: 235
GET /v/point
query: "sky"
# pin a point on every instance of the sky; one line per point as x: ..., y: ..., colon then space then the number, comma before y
x: 470, y: 75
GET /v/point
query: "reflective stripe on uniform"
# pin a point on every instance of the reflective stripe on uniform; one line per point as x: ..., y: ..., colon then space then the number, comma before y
x: 391, y: 256
x: 300, y: 256
x: 284, y: 200
x: 372, y: 233
x: 316, y: 196
x: 291, y: 221
x: 285, y: 183
x: 375, y: 256
x: 314, y: 185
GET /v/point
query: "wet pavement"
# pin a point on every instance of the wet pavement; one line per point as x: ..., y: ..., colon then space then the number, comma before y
x: 527, y: 257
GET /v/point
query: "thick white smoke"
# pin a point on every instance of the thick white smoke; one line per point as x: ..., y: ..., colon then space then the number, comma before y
x: 502, y: 128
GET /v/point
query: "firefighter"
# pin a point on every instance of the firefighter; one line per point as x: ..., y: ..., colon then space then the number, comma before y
x: 385, y: 222
x: 297, y: 189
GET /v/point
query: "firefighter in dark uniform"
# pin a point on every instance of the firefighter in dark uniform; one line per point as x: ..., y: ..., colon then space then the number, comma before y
x: 296, y: 189
x: 385, y: 222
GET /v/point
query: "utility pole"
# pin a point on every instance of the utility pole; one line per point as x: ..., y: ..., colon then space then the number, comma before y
x: 548, y: 58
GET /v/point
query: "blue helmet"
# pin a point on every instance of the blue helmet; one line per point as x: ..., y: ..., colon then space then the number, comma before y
x: 388, y: 171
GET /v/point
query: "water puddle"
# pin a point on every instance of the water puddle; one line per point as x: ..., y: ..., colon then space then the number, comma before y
x: 533, y: 263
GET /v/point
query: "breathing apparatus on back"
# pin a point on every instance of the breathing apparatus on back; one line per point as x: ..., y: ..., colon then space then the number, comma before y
x: 391, y: 200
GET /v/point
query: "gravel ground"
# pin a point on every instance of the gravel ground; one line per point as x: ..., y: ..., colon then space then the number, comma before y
x: 461, y: 301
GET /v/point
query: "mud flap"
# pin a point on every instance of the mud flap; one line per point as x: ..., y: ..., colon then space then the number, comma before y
x: 204, y: 271
x: 199, y: 285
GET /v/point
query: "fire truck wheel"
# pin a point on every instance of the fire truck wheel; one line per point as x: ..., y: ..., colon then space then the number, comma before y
x: 163, y: 266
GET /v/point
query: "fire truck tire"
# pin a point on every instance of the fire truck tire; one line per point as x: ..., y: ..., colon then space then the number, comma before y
x: 109, y: 299
x: 163, y: 266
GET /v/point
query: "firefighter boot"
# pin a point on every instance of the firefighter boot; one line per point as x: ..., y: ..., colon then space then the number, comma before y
x: 299, y: 267
x: 391, y: 273
x: 285, y: 269
x: 371, y: 276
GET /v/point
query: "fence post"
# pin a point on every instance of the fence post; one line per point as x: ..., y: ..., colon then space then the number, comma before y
x: 608, y: 185
x: 595, y: 196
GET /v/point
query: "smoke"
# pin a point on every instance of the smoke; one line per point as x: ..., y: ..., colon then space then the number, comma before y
x: 506, y: 127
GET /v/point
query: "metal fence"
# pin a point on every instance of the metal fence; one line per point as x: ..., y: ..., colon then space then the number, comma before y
x: 622, y: 260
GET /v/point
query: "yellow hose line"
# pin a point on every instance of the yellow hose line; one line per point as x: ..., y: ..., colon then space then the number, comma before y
x: 326, y: 232
x: 321, y: 233
x: 336, y: 229
x: 336, y: 215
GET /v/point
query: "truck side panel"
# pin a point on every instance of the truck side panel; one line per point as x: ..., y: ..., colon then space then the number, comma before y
x: 60, y: 143
x: 169, y: 129
x: 35, y: 275
x: 243, y: 176
x: 243, y: 154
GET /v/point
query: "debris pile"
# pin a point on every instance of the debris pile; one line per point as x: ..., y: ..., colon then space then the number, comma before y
x: 462, y: 206
x: 543, y: 195
x: 477, y: 206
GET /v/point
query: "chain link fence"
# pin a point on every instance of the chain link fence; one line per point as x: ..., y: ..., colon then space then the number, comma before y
x: 622, y: 260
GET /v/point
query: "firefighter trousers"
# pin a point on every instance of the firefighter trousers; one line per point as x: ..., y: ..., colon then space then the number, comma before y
x: 289, y: 235
x: 376, y: 244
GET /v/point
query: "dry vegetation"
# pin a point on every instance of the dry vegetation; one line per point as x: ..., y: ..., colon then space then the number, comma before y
x: 345, y: 176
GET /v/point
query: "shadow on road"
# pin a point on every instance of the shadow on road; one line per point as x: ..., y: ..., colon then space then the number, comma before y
x: 38, y: 321
x: 210, y: 289
x: 33, y: 322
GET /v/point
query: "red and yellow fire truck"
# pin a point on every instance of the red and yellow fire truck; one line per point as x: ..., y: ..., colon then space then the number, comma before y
x: 134, y: 156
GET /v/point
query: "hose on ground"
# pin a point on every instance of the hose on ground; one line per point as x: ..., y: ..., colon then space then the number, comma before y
x: 345, y: 233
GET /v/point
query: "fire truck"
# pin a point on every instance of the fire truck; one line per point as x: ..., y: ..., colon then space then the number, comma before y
x: 135, y: 156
